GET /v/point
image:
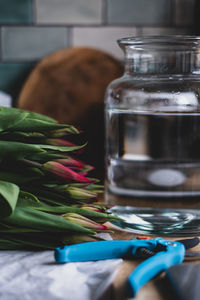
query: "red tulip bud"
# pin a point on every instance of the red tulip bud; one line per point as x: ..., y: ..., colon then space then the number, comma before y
x: 71, y: 162
x: 64, y: 172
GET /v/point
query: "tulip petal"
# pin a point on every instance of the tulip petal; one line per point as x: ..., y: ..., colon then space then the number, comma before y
x: 64, y: 172
x: 83, y: 221
x: 71, y: 162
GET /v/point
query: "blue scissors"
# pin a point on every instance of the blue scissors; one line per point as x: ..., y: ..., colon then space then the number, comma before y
x: 162, y: 255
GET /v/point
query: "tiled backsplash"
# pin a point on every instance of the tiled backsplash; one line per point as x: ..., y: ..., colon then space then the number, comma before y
x: 28, y: 43
x: 69, y: 12
x: 31, y: 29
x: 139, y: 12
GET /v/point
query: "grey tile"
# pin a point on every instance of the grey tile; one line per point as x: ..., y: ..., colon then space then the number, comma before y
x: 69, y: 11
x: 139, y: 12
x: 103, y: 38
x: 184, y: 12
x: 165, y: 31
x: 12, y: 11
x: 31, y: 43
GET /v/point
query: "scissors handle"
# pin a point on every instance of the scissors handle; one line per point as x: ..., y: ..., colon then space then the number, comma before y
x: 152, y: 266
x: 167, y: 254
x: 101, y: 250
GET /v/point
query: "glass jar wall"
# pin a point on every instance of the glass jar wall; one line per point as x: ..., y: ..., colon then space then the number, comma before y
x: 153, y: 136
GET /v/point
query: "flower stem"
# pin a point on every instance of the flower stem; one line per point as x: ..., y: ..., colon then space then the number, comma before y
x: 31, y: 163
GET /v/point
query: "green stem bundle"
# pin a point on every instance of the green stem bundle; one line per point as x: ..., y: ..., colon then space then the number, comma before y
x: 46, y: 198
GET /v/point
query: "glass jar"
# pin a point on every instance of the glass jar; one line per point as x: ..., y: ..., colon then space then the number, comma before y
x: 153, y: 136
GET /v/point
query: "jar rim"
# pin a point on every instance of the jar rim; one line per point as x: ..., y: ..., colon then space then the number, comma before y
x: 158, y: 39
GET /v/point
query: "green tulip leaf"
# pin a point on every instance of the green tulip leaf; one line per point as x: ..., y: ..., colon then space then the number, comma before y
x: 33, y: 115
x: 8, y: 198
x: 31, y: 218
x: 61, y: 148
x: 10, y: 118
x: 18, y: 150
x: 31, y: 125
x: 16, y: 178
x: 32, y: 203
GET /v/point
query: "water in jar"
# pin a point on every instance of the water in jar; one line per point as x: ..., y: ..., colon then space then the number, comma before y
x: 154, y: 154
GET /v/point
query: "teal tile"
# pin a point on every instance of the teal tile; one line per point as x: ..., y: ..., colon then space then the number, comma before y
x: 15, y: 11
x: 13, y: 76
x: 31, y: 42
x: 139, y: 12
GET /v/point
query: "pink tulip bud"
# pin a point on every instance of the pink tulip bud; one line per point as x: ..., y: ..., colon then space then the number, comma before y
x: 63, y: 143
x: 80, y: 194
x: 90, y: 207
x: 71, y: 162
x: 83, y: 221
x: 64, y: 172
x: 63, y: 132
x: 60, y: 142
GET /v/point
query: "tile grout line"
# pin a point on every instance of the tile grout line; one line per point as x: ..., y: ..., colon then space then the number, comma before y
x: 104, y: 12
x: 69, y: 36
x: 34, y: 12
x: 92, y: 25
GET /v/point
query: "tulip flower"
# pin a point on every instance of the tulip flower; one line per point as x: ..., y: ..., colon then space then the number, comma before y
x: 33, y: 204
x: 91, y: 207
x: 63, y: 132
x: 80, y: 194
x: 63, y: 143
x: 60, y: 142
x: 64, y: 172
x: 83, y: 221
x: 71, y: 162
x: 86, y: 169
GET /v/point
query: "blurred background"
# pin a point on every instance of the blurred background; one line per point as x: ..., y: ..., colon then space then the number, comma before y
x: 30, y: 30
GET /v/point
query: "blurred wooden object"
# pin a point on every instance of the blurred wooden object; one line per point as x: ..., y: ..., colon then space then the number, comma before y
x: 69, y: 86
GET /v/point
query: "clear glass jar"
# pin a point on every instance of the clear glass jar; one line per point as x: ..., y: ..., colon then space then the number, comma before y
x: 153, y: 136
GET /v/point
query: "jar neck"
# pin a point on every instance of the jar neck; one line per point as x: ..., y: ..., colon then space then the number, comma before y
x: 161, y: 61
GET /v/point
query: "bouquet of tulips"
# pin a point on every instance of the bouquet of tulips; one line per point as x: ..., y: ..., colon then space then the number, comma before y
x: 46, y: 197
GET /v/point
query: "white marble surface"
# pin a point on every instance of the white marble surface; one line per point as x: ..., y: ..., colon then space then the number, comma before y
x: 29, y: 275
x: 35, y: 275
